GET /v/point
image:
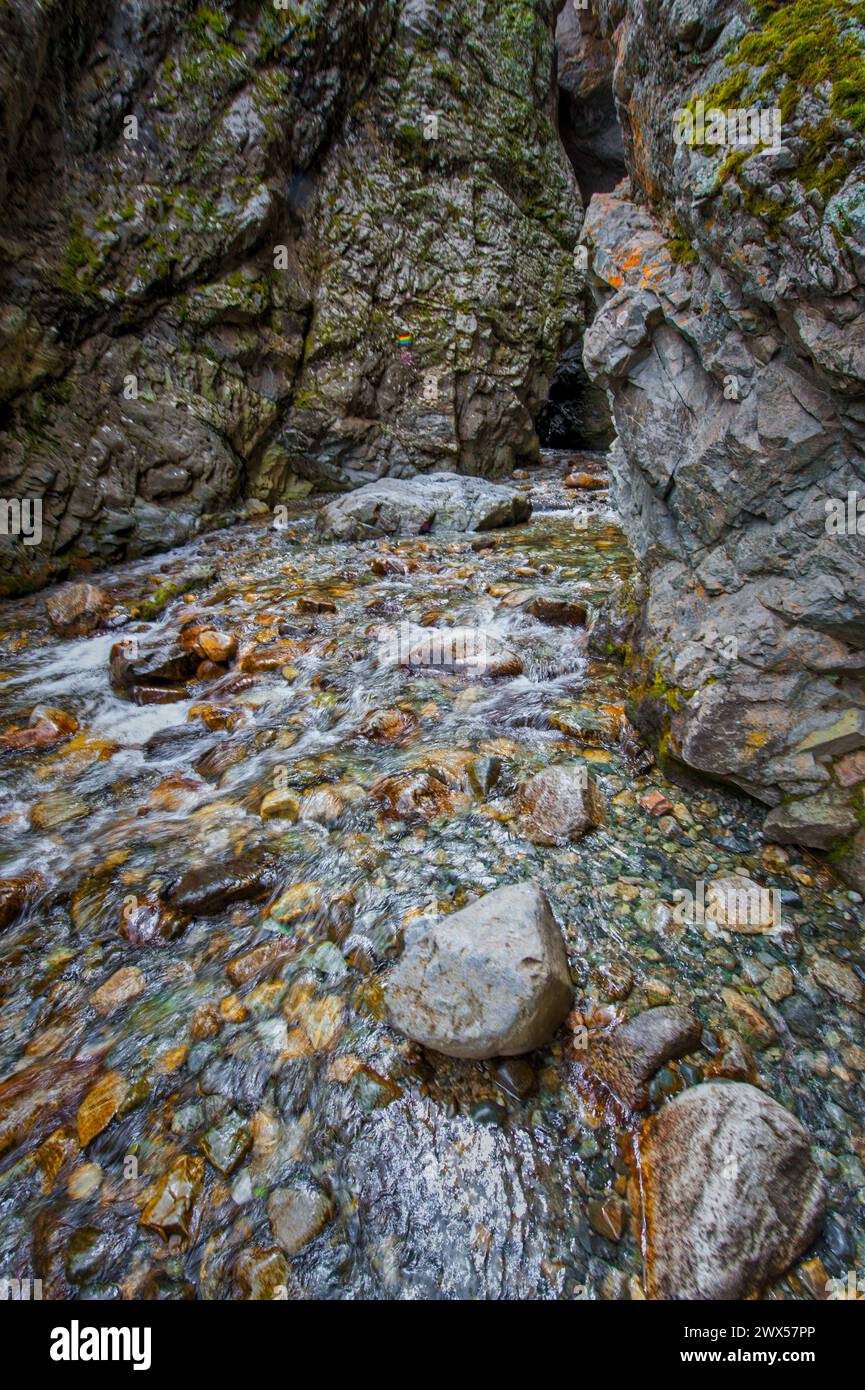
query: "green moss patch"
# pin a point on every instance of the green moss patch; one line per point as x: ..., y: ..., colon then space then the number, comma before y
x: 801, y: 47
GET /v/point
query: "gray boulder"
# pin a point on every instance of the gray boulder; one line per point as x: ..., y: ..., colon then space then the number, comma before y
x: 416, y: 506
x: 732, y: 1194
x: 489, y: 981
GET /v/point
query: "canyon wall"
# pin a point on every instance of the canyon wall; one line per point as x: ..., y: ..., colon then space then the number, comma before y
x: 730, y: 337
x: 255, y: 246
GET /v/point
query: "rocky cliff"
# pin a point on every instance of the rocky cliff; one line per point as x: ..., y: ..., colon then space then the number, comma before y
x: 262, y: 245
x: 730, y: 336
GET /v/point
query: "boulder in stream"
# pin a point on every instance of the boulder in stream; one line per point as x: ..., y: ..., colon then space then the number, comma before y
x: 76, y: 610
x: 558, y: 804
x: 732, y: 1194
x: 488, y: 981
x: 417, y: 506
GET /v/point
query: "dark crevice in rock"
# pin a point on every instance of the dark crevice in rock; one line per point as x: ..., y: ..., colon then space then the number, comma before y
x: 588, y: 120
x: 576, y: 414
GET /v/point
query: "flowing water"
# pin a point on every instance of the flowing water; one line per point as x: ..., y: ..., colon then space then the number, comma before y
x: 429, y: 1177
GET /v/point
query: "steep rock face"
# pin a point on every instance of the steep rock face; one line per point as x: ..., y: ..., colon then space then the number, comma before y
x: 590, y: 129
x: 222, y: 220
x: 730, y: 333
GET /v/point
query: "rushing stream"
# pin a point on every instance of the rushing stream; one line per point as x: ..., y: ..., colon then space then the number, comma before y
x: 244, y: 1048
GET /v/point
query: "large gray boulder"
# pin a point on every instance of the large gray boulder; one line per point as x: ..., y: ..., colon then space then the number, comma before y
x: 732, y: 1194
x: 489, y: 981
x: 417, y: 506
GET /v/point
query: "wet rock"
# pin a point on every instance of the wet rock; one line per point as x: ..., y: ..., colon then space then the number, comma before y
x: 205, y: 892
x: 392, y: 564
x: 281, y: 804
x: 228, y: 1143
x: 119, y: 989
x: 261, y: 960
x: 297, y: 1215
x: 46, y: 728
x: 462, y: 651
x: 418, y: 506
x: 35, y: 1100
x: 315, y: 604
x: 15, y: 893
x: 839, y: 979
x: 801, y: 1017
x: 558, y: 804
x: 738, y: 904
x: 558, y: 612
x: 515, y: 1077
x: 733, y: 1059
x: 388, y: 725
x: 76, y: 610
x: 57, y: 809
x: 816, y: 821
x: 262, y: 1274
x: 172, y: 1209
x: 586, y: 482
x: 656, y: 804
x: 150, y: 666
x: 490, y: 980
x: 733, y: 1196
x: 488, y: 1112
x: 411, y: 796
x: 196, y: 578
x: 607, y: 1217
x: 851, y: 865
x: 100, y: 1105
x: 626, y: 1059
x: 148, y: 922
x: 779, y: 984
x: 484, y: 774
x: 89, y: 1251
x: 616, y: 981
x: 217, y: 647
x: 756, y: 1027
x: 322, y: 806
x: 206, y: 1023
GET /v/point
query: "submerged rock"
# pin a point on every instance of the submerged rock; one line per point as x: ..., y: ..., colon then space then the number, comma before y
x: 37, y: 1099
x: 462, y: 651
x: 15, y: 893
x: 417, y: 506
x: 119, y: 989
x: 297, y: 1215
x: 46, y: 727
x: 263, y: 1274
x: 411, y: 796
x: 173, y: 1208
x: 732, y: 1194
x: 626, y: 1059
x: 206, y: 891
x: 488, y: 981
x: 559, y: 803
